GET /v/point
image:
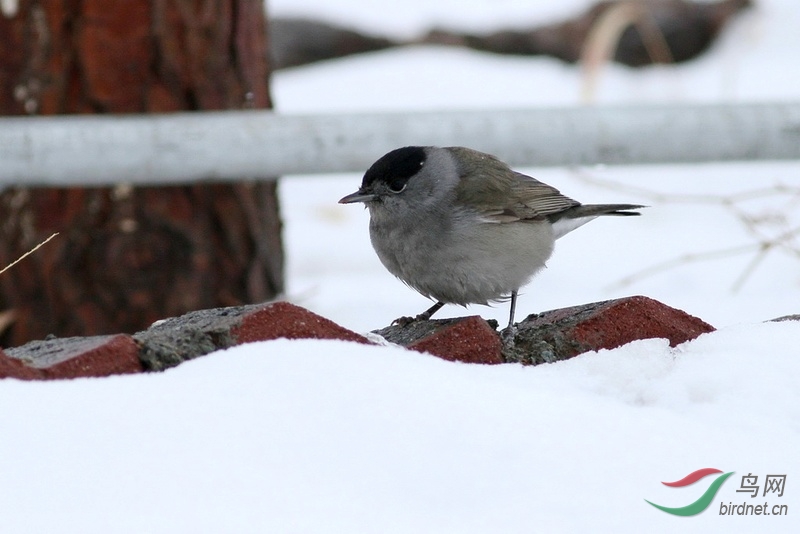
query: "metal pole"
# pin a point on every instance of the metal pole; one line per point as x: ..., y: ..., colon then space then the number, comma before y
x: 186, y: 147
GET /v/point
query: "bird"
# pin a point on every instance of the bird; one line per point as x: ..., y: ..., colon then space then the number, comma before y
x: 461, y: 227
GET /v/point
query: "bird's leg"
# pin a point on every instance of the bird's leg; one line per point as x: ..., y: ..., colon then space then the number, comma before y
x: 513, y: 308
x: 424, y: 316
x: 509, y: 332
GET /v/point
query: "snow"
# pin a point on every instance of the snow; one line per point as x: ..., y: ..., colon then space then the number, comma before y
x: 325, y: 436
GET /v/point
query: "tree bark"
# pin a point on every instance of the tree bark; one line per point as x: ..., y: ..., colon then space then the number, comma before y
x: 127, y: 256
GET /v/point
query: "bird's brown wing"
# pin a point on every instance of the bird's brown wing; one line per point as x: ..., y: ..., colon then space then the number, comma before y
x: 502, y: 195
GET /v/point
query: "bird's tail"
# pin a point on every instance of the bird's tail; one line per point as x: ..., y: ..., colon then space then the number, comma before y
x: 595, y: 210
x: 566, y: 221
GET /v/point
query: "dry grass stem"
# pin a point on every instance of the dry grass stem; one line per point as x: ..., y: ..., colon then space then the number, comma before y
x: 31, y: 251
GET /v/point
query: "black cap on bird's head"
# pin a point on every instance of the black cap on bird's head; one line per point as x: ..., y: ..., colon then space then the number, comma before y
x: 393, y: 171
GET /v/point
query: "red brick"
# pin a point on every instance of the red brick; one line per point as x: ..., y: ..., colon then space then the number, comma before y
x: 563, y: 333
x: 15, y: 368
x: 172, y: 341
x: 625, y: 320
x: 469, y: 340
x: 79, y: 356
x: 285, y: 320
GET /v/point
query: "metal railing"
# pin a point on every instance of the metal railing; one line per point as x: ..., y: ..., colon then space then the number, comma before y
x: 91, y: 150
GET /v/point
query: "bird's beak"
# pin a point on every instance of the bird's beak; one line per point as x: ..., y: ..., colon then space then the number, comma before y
x: 358, y: 196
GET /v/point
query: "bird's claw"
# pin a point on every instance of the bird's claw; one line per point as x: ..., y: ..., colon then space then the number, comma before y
x: 405, y: 321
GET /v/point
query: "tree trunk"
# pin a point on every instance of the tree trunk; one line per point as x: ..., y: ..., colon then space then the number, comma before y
x: 127, y: 256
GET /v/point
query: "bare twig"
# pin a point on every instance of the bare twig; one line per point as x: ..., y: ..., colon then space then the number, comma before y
x: 760, y: 228
x: 733, y: 198
x: 681, y: 260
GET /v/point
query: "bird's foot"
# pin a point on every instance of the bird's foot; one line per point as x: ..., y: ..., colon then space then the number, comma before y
x: 405, y: 321
x: 424, y: 316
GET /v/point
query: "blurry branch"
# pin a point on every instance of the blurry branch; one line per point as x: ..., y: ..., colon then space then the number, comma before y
x: 630, y: 32
x: 7, y: 318
x: 757, y: 226
x: 31, y: 251
x: 605, y: 35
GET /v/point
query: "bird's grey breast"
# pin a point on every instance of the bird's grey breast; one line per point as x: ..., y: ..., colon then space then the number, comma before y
x: 410, y: 245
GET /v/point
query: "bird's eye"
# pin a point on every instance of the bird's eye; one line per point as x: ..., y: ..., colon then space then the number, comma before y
x: 398, y: 185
